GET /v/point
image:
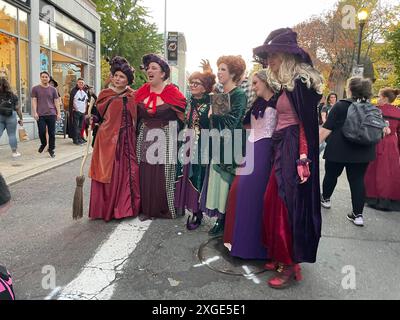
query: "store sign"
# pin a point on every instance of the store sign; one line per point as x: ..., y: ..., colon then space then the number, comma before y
x: 172, y: 48
x: 25, y: 3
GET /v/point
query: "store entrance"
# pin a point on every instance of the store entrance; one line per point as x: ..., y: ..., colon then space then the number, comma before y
x: 66, y: 71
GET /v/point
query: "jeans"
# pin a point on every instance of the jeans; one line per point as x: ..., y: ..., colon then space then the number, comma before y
x: 10, y: 124
x: 50, y: 123
x: 78, y: 124
x: 355, y: 175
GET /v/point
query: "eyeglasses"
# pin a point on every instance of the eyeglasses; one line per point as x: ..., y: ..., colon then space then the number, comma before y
x: 195, y: 84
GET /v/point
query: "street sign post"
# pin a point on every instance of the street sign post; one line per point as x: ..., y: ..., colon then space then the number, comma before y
x: 172, y: 48
x: 358, y: 71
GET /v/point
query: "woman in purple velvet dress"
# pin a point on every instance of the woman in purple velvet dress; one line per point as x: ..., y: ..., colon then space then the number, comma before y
x: 243, y: 229
x: 292, y: 209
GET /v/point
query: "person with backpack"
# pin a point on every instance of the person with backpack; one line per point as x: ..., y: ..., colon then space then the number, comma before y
x: 354, y: 128
x: 8, y: 115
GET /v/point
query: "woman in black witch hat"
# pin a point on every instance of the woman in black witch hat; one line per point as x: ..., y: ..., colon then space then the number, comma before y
x: 292, y: 210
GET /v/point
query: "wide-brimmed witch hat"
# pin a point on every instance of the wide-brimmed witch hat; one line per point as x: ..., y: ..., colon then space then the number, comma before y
x: 281, y: 40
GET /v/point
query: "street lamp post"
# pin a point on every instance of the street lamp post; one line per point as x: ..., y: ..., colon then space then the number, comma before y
x: 362, y: 18
x: 165, y: 30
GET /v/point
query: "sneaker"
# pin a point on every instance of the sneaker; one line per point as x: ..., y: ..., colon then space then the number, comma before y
x: 41, y: 149
x: 52, y: 154
x: 357, y: 220
x: 16, y: 155
x: 326, y: 203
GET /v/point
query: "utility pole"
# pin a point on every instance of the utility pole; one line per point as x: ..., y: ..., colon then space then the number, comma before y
x: 165, y: 31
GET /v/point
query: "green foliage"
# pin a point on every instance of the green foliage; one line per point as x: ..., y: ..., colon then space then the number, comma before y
x: 393, y: 51
x: 126, y: 32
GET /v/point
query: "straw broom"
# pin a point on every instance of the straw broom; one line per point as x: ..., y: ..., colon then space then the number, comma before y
x: 77, y: 206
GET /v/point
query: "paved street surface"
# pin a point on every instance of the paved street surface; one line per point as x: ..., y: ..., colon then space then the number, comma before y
x: 159, y: 260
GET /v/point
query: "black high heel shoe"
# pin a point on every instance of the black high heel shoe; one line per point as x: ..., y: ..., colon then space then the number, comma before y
x: 218, y: 228
x: 195, y: 221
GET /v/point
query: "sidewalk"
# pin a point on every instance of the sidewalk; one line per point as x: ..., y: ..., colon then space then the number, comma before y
x: 32, y: 163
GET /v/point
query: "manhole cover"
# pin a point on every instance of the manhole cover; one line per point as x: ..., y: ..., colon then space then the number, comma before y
x: 216, y: 256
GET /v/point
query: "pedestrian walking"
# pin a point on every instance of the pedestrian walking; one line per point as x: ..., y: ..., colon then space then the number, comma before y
x: 46, y: 111
x: 383, y: 174
x: 292, y: 212
x: 78, y: 105
x: 331, y: 101
x: 9, y: 109
x: 114, y: 170
x: 342, y: 153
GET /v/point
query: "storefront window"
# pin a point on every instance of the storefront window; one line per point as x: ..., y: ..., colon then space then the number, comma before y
x: 44, y: 60
x: 92, y: 55
x: 23, y: 24
x: 73, y: 26
x: 44, y: 33
x: 63, y: 42
x: 66, y: 71
x: 8, y: 59
x: 24, y: 72
x: 8, y: 17
x: 92, y: 75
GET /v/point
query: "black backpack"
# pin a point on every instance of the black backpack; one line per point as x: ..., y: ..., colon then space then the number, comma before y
x: 364, y: 124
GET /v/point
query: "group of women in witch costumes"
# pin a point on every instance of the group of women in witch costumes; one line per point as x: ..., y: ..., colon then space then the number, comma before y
x: 273, y: 212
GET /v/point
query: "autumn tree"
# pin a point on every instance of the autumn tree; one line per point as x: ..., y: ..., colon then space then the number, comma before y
x: 332, y: 39
x: 393, y: 51
x: 125, y: 31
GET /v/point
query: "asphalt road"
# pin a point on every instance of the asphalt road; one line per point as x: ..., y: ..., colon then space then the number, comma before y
x: 38, y: 235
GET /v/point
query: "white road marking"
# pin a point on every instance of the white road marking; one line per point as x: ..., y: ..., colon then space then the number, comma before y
x: 53, y: 293
x: 250, y: 275
x: 96, y: 280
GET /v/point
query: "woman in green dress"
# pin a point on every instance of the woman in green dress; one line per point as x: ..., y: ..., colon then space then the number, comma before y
x: 220, y: 175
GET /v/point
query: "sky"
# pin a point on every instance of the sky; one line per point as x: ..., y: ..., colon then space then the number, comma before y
x: 213, y: 28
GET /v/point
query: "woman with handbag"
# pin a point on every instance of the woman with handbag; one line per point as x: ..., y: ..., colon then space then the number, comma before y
x: 8, y: 115
x: 114, y: 169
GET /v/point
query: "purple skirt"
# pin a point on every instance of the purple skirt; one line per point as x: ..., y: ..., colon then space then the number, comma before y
x: 247, y: 237
x: 186, y: 195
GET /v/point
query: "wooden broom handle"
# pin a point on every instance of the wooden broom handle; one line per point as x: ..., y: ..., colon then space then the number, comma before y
x: 89, y: 143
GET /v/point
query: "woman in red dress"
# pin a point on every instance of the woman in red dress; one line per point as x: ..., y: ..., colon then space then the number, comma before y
x: 161, y: 110
x: 114, y: 170
x: 383, y: 175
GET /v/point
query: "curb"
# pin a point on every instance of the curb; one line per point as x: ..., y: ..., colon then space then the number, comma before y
x: 19, y: 177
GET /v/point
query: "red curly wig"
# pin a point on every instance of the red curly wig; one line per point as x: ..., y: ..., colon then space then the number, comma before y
x: 236, y: 66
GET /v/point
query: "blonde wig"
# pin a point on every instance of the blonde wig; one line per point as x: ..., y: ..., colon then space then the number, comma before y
x: 292, y: 69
